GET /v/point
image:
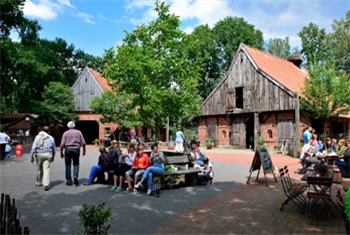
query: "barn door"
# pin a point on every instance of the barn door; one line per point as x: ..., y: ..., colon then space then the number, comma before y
x: 238, y: 133
x: 285, y: 133
x: 212, y: 132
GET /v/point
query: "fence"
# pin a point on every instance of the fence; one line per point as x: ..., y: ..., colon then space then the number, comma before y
x: 9, y: 217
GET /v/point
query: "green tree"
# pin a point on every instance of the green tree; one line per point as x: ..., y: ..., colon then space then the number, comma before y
x: 57, y: 107
x: 229, y: 33
x: 153, y: 68
x: 279, y: 47
x: 11, y: 15
x: 313, y: 43
x: 116, y: 109
x: 327, y: 92
x: 339, y: 42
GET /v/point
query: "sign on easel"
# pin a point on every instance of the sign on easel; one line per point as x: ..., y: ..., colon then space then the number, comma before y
x: 262, y: 158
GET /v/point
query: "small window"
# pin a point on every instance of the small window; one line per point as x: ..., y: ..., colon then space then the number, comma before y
x: 269, y: 133
x: 107, y: 131
x: 239, y: 97
x: 85, y: 79
x: 223, y: 134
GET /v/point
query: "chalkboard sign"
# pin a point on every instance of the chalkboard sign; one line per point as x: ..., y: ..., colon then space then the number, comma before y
x: 262, y: 158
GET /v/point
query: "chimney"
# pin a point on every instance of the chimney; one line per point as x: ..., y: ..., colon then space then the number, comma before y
x: 296, y: 59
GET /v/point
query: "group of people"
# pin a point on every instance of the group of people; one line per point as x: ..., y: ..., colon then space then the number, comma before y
x: 315, y: 152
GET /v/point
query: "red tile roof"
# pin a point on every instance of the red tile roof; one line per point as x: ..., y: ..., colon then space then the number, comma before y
x: 281, y: 70
x: 101, y: 80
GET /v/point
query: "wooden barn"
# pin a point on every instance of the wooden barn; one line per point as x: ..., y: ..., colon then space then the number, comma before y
x: 89, y: 84
x: 258, y: 97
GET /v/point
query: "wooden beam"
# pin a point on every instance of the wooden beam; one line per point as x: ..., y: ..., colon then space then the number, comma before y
x: 256, y: 129
x: 297, y: 126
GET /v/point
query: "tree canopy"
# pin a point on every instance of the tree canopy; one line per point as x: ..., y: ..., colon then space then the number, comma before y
x: 153, y: 69
x: 279, y: 47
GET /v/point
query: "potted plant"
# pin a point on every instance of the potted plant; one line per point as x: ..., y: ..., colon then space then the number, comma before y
x: 209, y: 143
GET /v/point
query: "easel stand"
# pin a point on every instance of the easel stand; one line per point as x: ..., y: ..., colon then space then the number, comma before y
x: 262, y: 158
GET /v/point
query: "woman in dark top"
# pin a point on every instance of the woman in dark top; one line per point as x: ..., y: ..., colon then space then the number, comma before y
x: 329, y: 145
x: 343, y: 164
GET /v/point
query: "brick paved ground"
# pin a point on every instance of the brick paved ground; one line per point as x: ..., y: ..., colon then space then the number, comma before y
x: 250, y: 209
x: 228, y: 206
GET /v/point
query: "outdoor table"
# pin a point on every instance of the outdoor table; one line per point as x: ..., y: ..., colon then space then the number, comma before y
x: 332, y: 171
x: 320, y: 186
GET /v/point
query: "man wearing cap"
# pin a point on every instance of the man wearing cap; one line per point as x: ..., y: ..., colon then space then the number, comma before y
x: 44, y: 150
x: 72, y: 141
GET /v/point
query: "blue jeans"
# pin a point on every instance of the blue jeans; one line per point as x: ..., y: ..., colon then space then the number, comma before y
x: 72, y: 155
x: 200, y: 162
x: 93, y: 173
x: 343, y: 167
x: 157, y: 170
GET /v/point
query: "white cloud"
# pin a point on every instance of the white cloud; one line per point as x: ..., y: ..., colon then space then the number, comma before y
x: 188, y: 29
x: 45, y: 9
x: 86, y: 17
x: 66, y: 3
x: 137, y: 4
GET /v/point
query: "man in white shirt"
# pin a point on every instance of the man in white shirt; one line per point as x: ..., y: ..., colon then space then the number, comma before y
x: 4, y: 138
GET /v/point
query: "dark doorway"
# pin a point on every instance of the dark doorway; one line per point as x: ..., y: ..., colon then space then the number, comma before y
x: 249, y: 132
x: 338, y: 127
x: 317, y: 125
x: 89, y: 129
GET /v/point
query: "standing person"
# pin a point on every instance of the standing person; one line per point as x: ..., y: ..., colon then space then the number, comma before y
x: 179, y: 141
x: 27, y: 133
x: 132, y: 134
x: 4, y: 138
x: 19, y: 132
x: 105, y: 163
x: 307, y: 134
x: 72, y: 141
x: 157, y: 168
x: 44, y: 150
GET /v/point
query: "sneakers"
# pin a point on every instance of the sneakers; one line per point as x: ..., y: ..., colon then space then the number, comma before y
x: 76, y: 182
x: 114, y: 188
x: 135, y: 190
x: 69, y: 183
x: 149, y: 191
x: 87, y: 183
x: 46, y: 188
x: 118, y: 190
x: 138, y: 185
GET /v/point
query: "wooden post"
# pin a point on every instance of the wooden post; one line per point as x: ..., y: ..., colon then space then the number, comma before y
x: 256, y: 129
x: 167, y: 130
x: 297, y: 126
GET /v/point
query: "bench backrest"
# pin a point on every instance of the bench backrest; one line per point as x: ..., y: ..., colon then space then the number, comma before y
x: 177, y: 160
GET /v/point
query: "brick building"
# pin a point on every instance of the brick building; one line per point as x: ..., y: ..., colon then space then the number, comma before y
x: 259, y: 97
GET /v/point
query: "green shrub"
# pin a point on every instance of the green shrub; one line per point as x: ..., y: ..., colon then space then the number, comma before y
x: 93, y: 218
x: 166, y: 180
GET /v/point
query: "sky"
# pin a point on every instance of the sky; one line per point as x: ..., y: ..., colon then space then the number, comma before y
x: 96, y: 25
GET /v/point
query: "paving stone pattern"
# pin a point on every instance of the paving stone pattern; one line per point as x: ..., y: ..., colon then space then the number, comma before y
x: 227, y: 206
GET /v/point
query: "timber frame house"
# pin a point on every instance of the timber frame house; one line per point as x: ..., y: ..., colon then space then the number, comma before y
x: 258, y: 97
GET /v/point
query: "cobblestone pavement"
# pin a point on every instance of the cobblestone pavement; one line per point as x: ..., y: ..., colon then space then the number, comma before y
x: 227, y: 206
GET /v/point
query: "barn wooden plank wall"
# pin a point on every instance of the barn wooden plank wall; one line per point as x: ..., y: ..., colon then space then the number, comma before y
x: 85, y: 88
x: 259, y: 93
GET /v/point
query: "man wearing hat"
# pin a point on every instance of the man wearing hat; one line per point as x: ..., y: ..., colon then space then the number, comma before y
x: 72, y: 141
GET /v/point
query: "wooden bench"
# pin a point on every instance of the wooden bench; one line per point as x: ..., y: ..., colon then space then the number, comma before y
x: 182, y: 162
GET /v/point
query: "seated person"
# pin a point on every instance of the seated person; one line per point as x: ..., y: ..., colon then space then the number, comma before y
x: 342, y: 147
x: 115, y: 152
x: 196, y: 154
x: 157, y: 168
x: 141, y: 162
x: 208, y: 173
x: 119, y: 173
x: 343, y: 164
x: 308, y: 156
x: 105, y: 163
x: 329, y: 146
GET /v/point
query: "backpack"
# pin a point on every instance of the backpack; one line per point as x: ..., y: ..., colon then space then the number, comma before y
x: 156, y: 189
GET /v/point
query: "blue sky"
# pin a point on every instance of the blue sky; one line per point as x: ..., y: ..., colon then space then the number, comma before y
x: 96, y: 25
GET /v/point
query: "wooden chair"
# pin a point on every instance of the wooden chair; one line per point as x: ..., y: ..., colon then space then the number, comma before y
x: 293, y: 194
x: 321, y: 185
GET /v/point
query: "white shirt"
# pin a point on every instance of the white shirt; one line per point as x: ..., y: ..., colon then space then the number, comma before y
x: 4, y: 138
